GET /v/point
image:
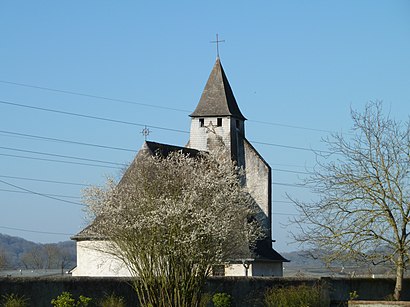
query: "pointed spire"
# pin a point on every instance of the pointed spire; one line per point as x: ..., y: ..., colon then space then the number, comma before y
x: 217, y: 98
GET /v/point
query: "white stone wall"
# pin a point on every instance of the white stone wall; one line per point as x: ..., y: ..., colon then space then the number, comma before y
x: 258, y: 180
x: 92, y: 261
x: 256, y: 268
x: 199, y: 136
x: 267, y: 269
x: 237, y: 269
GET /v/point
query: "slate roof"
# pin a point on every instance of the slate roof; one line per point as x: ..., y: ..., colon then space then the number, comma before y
x: 264, y: 252
x: 165, y: 149
x: 217, y: 98
x: 88, y: 233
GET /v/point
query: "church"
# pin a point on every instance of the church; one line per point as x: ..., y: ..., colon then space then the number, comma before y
x: 217, y: 116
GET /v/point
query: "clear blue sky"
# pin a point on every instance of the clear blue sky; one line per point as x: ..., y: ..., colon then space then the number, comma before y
x: 290, y: 63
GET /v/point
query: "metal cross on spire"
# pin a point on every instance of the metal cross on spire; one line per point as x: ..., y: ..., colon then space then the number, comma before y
x: 145, y: 132
x: 217, y: 44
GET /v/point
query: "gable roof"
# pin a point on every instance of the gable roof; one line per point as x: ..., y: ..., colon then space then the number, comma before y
x: 217, y: 98
x: 263, y: 250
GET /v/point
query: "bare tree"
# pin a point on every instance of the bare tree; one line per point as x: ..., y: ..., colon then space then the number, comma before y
x: 363, y: 187
x: 4, y: 261
x: 52, y: 256
x: 170, y: 219
x: 34, y: 258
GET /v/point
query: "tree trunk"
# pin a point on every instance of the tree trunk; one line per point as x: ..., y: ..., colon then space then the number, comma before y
x: 399, y: 280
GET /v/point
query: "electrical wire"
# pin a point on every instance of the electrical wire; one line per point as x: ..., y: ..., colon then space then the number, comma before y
x: 90, y: 116
x: 55, y: 195
x: 133, y: 150
x: 288, y: 126
x: 41, y: 194
x: 150, y: 105
x: 95, y: 96
x: 44, y: 180
x: 144, y: 125
x: 281, y: 213
x: 37, y: 231
x: 292, y: 147
x: 66, y: 141
x: 290, y: 171
x: 61, y: 156
x: 58, y: 161
x: 109, y: 162
x: 291, y: 185
x: 283, y: 201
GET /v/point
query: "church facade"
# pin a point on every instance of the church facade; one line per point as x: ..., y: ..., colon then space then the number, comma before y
x: 216, y: 117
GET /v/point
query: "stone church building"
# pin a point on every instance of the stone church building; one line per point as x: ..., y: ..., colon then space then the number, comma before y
x: 217, y: 116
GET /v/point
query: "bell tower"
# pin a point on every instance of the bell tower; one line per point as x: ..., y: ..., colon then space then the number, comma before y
x: 217, y: 116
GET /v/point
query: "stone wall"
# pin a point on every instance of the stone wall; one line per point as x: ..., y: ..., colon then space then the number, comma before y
x: 94, y: 261
x: 41, y: 290
x: 245, y: 291
x: 258, y: 182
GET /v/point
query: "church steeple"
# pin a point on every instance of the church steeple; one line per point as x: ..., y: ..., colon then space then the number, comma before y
x: 217, y: 117
x: 217, y: 99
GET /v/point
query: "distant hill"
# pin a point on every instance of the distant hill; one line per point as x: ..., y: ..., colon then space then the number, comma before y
x: 301, y: 258
x: 303, y: 264
x: 16, y: 252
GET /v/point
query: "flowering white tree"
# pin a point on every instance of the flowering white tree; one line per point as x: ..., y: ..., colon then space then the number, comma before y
x: 170, y: 219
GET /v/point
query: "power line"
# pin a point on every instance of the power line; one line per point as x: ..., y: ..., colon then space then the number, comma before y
x: 144, y: 125
x: 134, y: 151
x: 291, y: 147
x: 45, y: 180
x: 291, y: 185
x: 95, y: 96
x: 67, y: 141
x: 115, y: 163
x: 40, y: 194
x: 281, y: 213
x: 61, y: 156
x: 36, y: 231
x: 289, y: 171
x: 150, y: 105
x: 292, y: 165
x: 283, y: 201
x: 58, y: 161
x: 24, y: 192
x: 89, y: 116
x: 288, y: 126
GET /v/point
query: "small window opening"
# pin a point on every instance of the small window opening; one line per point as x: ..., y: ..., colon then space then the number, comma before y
x: 218, y: 270
x: 219, y: 122
x: 201, y: 122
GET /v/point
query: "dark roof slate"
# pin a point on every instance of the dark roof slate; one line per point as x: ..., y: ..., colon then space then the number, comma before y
x: 217, y: 98
x: 164, y: 149
x: 264, y: 252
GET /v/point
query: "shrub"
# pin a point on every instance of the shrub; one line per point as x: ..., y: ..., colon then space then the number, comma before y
x: 112, y: 301
x: 222, y: 300
x: 14, y: 300
x: 294, y: 296
x: 67, y: 300
x: 353, y: 295
x: 205, y: 299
